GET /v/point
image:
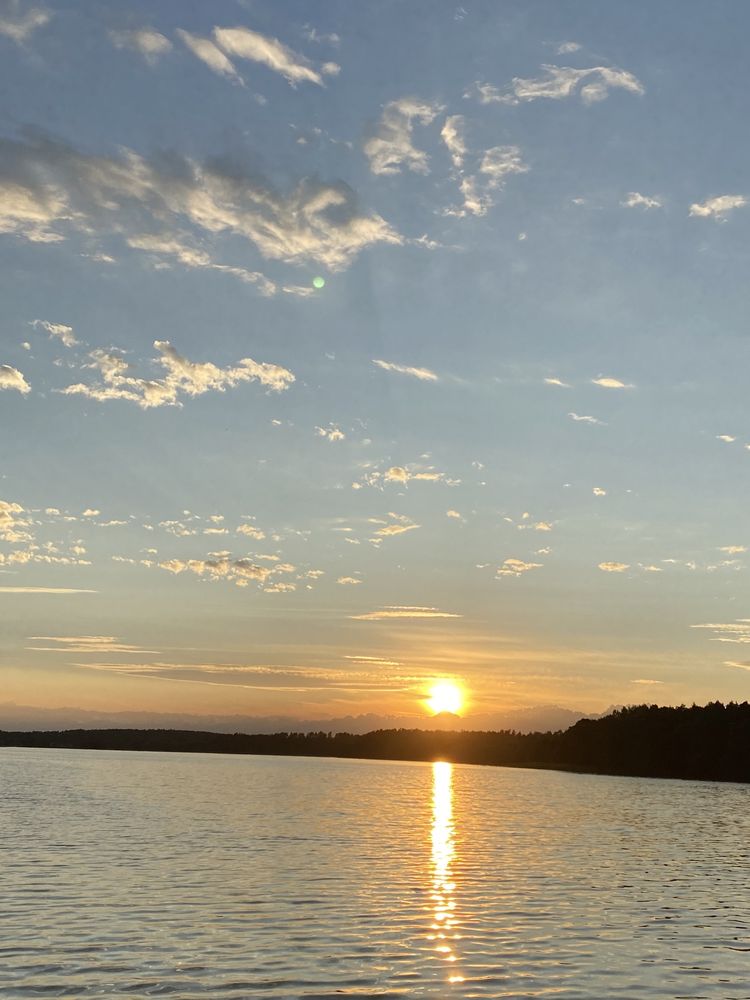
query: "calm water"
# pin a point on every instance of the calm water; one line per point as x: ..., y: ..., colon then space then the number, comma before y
x: 138, y: 875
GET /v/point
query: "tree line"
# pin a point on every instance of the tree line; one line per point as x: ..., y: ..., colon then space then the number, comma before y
x: 710, y: 742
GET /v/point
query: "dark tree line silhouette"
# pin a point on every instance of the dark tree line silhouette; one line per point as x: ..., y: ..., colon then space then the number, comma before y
x: 709, y: 742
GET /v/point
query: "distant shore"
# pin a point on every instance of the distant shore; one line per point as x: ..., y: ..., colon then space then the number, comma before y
x: 710, y: 742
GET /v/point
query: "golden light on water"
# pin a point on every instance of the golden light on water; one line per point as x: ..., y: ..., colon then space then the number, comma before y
x: 444, y: 924
x: 445, y: 696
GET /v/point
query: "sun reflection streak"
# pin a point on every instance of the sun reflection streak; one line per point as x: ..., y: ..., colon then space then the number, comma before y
x: 444, y: 925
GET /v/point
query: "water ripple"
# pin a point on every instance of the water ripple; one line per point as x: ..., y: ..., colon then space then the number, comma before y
x: 146, y: 875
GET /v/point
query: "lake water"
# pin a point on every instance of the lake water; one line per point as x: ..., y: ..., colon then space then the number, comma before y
x: 127, y: 874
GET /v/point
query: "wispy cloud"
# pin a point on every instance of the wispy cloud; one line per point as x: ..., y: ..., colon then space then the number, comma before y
x: 718, y: 208
x: 390, y: 148
x: 151, y: 44
x: 182, y: 377
x: 400, y: 611
x: 737, y: 631
x: 606, y: 382
x: 57, y: 331
x: 585, y: 418
x: 399, y: 524
x: 591, y: 85
x: 44, y: 590
x: 452, y: 134
x: 242, y: 43
x: 19, y: 23
x: 423, y: 374
x: 478, y: 188
x: 209, y: 54
x: 49, y: 191
x: 97, y: 644
x: 613, y: 567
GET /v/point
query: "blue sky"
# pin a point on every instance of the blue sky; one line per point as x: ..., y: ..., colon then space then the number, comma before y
x: 506, y: 441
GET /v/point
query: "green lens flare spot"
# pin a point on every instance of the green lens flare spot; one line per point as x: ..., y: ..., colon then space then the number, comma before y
x: 319, y: 282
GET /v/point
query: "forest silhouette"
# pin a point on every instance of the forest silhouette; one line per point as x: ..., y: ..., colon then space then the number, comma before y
x: 710, y: 742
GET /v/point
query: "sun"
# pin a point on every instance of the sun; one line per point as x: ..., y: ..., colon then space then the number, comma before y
x: 445, y: 696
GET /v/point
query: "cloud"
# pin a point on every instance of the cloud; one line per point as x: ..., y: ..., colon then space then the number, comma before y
x: 478, y: 189
x: 390, y: 148
x: 566, y: 48
x: 17, y: 24
x: 48, y: 190
x: 210, y: 54
x: 732, y: 549
x: 182, y: 377
x: 599, y: 492
x: 726, y: 438
x: 718, y: 208
x: 242, y: 43
x: 452, y: 513
x: 400, y: 611
x: 176, y: 246
x: 645, y: 680
x: 423, y: 374
x: 403, y: 475
x: 11, y: 378
x: 313, y: 35
x: 611, y: 383
x: 348, y: 581
x: 563, y: 81
x: 241, y: 572
x: 251, y: 531
x: 90, y: 512
x: 149, y: 43
x: 13, y: 528
x: 44, y: 590
x: 330, y: 433
x: 736, y: 632
x: 515, y: 567
x: 398, y: 525
x: 584, y: 418
x: 557, y: 381
x: 60, y: 331
x: 499, y: 162
x: 636, y: 200
x: 613, y: 567
x: 452, y: 134
x: 84, y: 644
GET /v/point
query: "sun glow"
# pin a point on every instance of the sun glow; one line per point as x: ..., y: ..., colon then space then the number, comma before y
x: 445, y: 696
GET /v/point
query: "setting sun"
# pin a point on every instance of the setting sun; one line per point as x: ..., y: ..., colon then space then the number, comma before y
x: 445, y: 696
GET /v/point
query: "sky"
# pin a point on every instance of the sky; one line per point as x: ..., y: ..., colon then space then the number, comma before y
x: 349, y: 347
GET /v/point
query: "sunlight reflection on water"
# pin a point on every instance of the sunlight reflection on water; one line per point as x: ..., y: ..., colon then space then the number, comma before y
x: 145, y: 874
x: 443, y: 850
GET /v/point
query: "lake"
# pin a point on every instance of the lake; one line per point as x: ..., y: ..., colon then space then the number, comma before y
x: 148, y: 874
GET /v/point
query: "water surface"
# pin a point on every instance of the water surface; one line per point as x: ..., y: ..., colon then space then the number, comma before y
x: 147, y: 874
